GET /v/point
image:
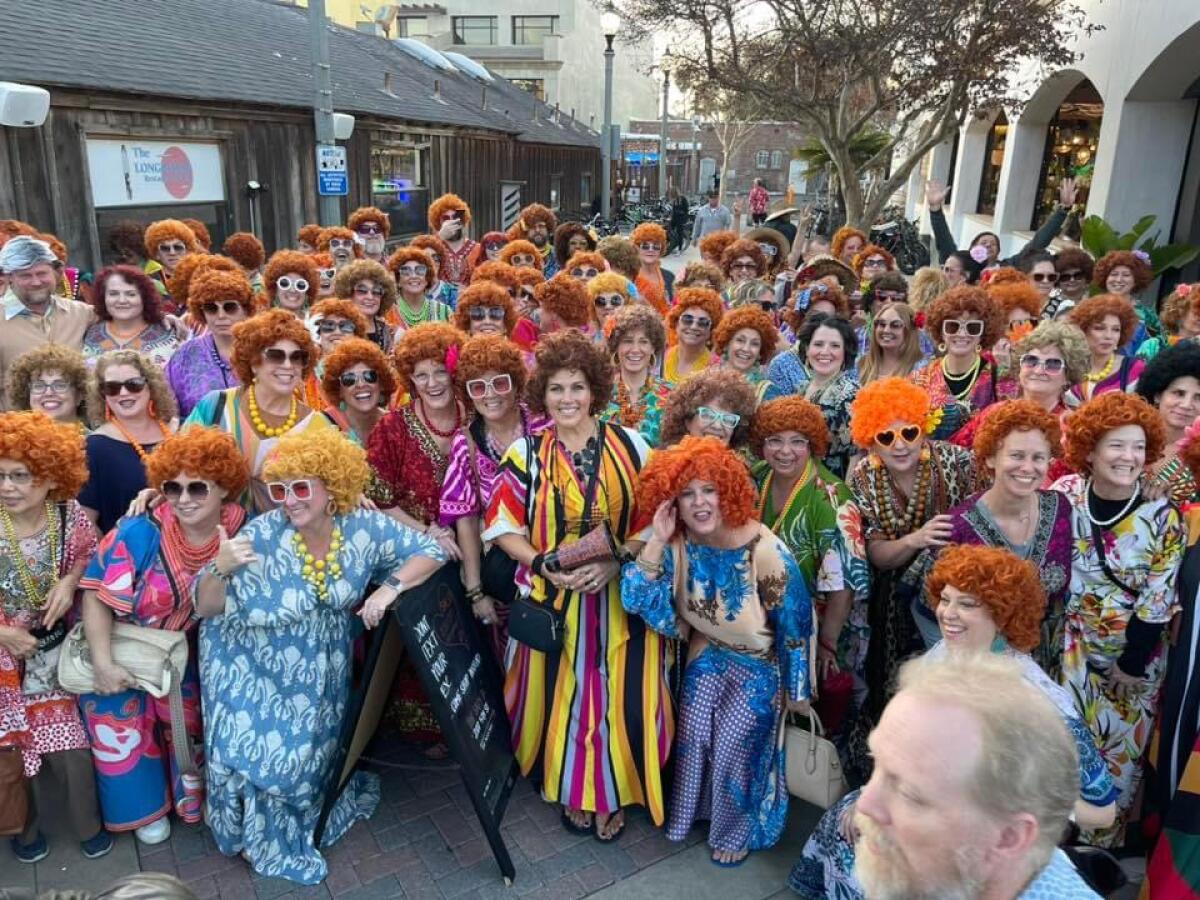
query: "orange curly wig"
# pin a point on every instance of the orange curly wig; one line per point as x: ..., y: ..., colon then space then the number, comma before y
x: 882, y: 403
x: 649, y: 231
x: 285, y: 261
x: 1184, y: 299
x: 244, y: 249
x: 1007, y: 416
x: 337, y: 231
x: 566, y: 298
x: 484, y: 293
x: 1142, y: 273
x: 165, y: 230
x: 256, y: 334
x: 429, y: 340
x: 866, y: 253
x: 1007, y: 585
x: 701, y: 274
x: 309, y: 234
x: 344, y: 309
x: 521, y: 247
x: 1014, y: 295
x: 669, y: 471
x: 792, y: 413
x: 200, y: 230
x: 571, y: 351
x: 701, y: 298
x: 1006, y: 275
x: 349, y: 353
x: 444, y: 204
x: 531, y: 215
x: 370, y: 214
x: 587, y: 258
x: 50, y: 451
x: 742, y: 247
x: 216, y: 286
x: 713, y: 244
x: 1093, y: 310
x: 966, y: 300
x: 489, y: 353
x: 747, y: 317
x: 528, y: 278
x: 179, y: 284
x: 1100, y: 415
x: 433, y: 245
x: 500, y: 273
x: 365, y: 270
x: 838, y: 242
x: 410, y: 254
x: 207, y: 453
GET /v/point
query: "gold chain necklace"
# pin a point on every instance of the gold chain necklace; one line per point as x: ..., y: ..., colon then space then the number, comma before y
x: 318, y: 572
x: 965, y: 392
x: 262, y: 427
x: 32, y: 598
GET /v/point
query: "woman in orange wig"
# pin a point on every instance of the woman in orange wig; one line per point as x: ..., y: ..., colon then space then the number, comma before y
x: 696, y: 314
x: 655, y: 284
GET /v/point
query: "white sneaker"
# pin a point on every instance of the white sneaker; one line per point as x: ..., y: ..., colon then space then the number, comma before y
x: 156, y: 832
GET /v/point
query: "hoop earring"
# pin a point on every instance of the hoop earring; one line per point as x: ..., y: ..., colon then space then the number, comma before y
x: 941, y: 348
x: 653, y: 362
x: 330, y: 507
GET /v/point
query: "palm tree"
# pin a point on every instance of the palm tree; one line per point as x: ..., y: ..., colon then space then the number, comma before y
x: 863, y: 147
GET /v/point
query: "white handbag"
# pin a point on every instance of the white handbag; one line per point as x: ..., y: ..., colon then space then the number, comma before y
x: 814, y: 772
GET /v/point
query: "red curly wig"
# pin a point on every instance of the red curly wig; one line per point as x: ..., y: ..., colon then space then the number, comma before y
x: 792, y: 413
x: 285, y: 261
x: 705, y: 459
x: 245, y: 249
x: 344, y: 234
x: 713, y: 244
x: 410, y: 254
x: 429, y: 340
x: 165, y: 230
x: 348, y: 354
x: 134, y: 276
x: 747, y: 317
x: 343, y: 309
x: 484, y: 293
x: 1100, y: 415
x: 531, y: 215
x: 740, y: 248
x: 1093, y: 310
x: 256, y: 334
x: 966, y: 300
x: 200, y: 230
x: 191, y: 265
x: 207, y: 453
x: 527, y: 278
x: 586, y: 258
x: 1007, y: 585
x: 1016, y: 294
x: 1142, y: 273
x: 444, y: 204
x: 795, y: 317
x: 649, y: 231
x: 566, y: 298
x: 838, y: 242
x: 309, y: 234
x: 866, y: 253
x: 489, y: 353
x: 1007, y: 416
x: 521, y: 247
x: 1006, y: 275
x: 50, y: 451
x: 702, y: 298
x: 370, y: 214
x: 434, y: 246
x: 215, y: 286
x: 1184, y: 299
x: 881, y: 404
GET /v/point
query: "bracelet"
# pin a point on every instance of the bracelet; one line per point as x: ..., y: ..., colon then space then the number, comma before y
x: 216, y: 573
x: 650, y: 568
x: 535, y: 565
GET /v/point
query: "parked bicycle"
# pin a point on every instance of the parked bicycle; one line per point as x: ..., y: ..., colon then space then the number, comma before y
x: 900, y: 237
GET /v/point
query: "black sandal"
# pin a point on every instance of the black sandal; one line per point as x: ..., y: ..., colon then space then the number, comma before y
x: 572, y: 827
x: 615, y: 836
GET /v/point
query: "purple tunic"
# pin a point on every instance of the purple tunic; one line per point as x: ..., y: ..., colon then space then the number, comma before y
x: 195, y: 369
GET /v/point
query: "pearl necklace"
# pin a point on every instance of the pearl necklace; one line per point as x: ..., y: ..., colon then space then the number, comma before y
x: 262, y: 427
x: 318, y: 572
x: 1090, y: 492
x: 32, y: 598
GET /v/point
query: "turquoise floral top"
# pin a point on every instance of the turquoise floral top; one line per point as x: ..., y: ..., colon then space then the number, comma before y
x: 645, y: 416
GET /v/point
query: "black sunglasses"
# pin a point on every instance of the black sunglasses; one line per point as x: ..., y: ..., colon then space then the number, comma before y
x: 229, y: 307
x: 173, y: 490
x: 480, y: 313
x: 279, y: 357
x: 350, y: 379
x: 328, y: 326
x: 114, y: 388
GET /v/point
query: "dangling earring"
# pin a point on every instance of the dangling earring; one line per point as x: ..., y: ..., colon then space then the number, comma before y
x: 941, y: 348
x: 330, y: 507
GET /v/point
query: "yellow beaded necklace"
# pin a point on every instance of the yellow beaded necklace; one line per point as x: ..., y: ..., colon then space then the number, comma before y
x: 1092, y: 379
x: 262, y: 427
x: 764, y: 496
x: 319, y: 572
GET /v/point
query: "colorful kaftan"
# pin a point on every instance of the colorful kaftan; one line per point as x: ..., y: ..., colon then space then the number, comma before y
x: 195, y: 369
x: 155, y: 342
x: 952, y: 412
x: 644, y: 413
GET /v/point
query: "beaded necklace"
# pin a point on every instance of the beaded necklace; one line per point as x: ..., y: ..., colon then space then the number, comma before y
x: 191, y: 556
x: 765, y: 496
x: 896, y: 525
x: 965, y: 392
x: 262, y: 427
x: 319, y: 572
x: 433, y: 428
x: 631, y: 410
x: 133, y: 442
x: 1092, y: 379
x: 33, y: 599
x: 413, y: 319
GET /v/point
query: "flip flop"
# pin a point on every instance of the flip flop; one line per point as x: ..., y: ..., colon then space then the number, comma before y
x: 729, y: 865
x: 614, y: 837
x: 572, y: 827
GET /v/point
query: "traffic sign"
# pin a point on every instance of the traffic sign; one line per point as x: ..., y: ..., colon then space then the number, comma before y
x: 332, y: 180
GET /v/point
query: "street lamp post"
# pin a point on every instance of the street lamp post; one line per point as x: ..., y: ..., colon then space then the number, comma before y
x: 696, y: 152
x: 665, y: 65
x: 610, y: 23
x: 328, y: 208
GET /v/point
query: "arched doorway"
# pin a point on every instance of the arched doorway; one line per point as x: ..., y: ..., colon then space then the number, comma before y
x: 993, y: 164
x: 1072, y: 139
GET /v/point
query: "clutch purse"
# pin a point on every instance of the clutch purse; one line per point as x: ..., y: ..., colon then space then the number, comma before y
x: 814, y: 772
x: 597, y: 545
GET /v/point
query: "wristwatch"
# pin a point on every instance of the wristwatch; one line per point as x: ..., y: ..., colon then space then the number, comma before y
x: 395, y: 584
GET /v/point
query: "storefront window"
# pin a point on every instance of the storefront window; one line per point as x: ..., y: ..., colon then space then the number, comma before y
x: 993, y: 161
x: 1071, y: 141
x: 397, y: 186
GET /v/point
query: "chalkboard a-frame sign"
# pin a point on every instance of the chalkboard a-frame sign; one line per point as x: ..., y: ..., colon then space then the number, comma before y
x: 432, y: 623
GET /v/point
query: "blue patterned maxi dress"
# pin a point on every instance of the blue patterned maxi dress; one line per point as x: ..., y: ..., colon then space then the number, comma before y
x: 749, y: 616
x: 275, y: 677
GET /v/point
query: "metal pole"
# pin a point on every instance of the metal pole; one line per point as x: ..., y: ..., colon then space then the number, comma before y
x: 662, y: 144
x: 328, y: 208
x: 696, y: 154
x: 606, y: 135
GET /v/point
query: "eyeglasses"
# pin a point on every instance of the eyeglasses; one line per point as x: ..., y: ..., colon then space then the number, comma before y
x: 350, y: 379
x: 174, y: 490
x: 890, y: 296
x: 482, y: 313
x: 327, y: 274
x: 889, y: 325
x: 177, y: 247
x: 369, y: 228
x: 767, y: 305
x: 1050, y: 366
x: 372, y: 291
x: 1042, y: 277
x: 329, y: 326
x: 688, y: 320
x: 49, y: 387
x: 522, y: 259
x: 875, y: 262
x: 292, y: 284
x: 477, y: 388
x: 114, y: 388
x: 589, y: 272
x: 279, y: 491
x: 278, y: 357
x: 229, y: 307
x: 423, y: 379
x: 908, y: 434
x: 650, y: 246
x: 415, y: 269
x: 1071, y: 275
x: 610, y: 301
x: 747, y: 265
x: 710, y: 416
x: 971, y: 327
x: 340, y: 244
x: 776, y: 443
x: 17, y: 479
x: 769, y: 249
x: 493, y: 248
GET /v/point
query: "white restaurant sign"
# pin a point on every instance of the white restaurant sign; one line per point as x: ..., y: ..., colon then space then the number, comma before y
x: 131, y: 172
